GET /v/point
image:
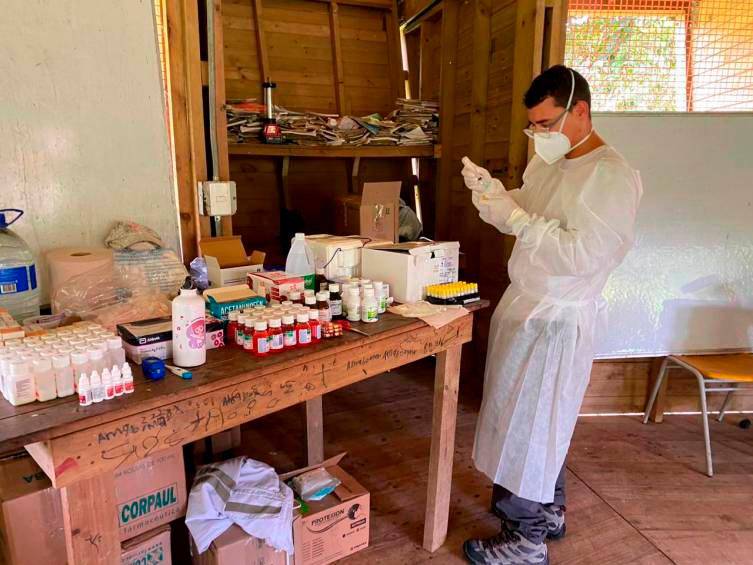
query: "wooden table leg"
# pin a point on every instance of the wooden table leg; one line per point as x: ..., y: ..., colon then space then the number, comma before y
x: 315, y: 430
x: 446, y: 380
x: 90, y: 521
x: 657, y: 412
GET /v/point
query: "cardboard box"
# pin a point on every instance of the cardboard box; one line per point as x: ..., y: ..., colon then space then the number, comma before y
x: 275, y: 285
x: 227, y: 260
x: 151, y: 492
x: 151, y: 548
x: 342, y: 255
x: 236, y: 547
x: 373, y: 214
x: 410, y: 267
x: 31, y: 515
x: 221, y: 301
x: 336, y: 526
x: 154, y: 337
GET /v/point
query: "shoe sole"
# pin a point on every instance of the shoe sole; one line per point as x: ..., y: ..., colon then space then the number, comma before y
x: 474, y: 562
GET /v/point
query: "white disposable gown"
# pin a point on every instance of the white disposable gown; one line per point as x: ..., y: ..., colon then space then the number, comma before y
x: 574, y: 226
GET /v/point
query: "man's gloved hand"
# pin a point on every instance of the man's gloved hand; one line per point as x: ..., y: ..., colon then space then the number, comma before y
x: 495, y: 209
x: 478, y: 178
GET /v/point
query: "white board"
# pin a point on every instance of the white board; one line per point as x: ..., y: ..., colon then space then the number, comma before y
x: 687, y: 286
x: 83, y: 133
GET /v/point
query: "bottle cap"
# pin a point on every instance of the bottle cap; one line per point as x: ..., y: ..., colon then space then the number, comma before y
x: 300, y: 237
x: 287, y: 303
x: 233, y: 315
x: 79, y: 357
x: 295, y: 295
x: 288, y: 319
x: 311, y: 299
x: 260, y: 326
x: 302, y: 317
x: 322, y: 296
x: 313, y: 314
x: 275, y: 323
x: 320, y: 270
x: 334, y: 287
x: 114, y: 342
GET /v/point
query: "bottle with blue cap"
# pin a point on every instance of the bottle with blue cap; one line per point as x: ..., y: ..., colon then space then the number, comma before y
x: 19, y: 292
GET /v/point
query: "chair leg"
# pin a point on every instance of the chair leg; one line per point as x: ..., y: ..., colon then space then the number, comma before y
x: 655, y: 392
x: 725, y: 404
x: 705, y: 416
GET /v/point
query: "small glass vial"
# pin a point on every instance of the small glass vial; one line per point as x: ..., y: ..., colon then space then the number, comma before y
x: 322, y: 304
x: 276, y: 337
x: 261, y: 339
x: 248, y: 334
x: 288, y: 331
x: 232, y: 327
x: 303, y: 330
x: 316, y: 327
x: 335, y: 302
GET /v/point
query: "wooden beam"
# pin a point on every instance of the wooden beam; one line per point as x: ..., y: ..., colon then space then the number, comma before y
x: 557, y: 23
x: 428, y: 82
x: 342, y: 105
x: 394, y: 53
x: 523, y: 66
x: 220, y: 116
x: 90, y: 522
x: 448, y: 75
x: 315, y: 431
x: 446, y: 381
x: 106, y: 446
x: 380, y: 4
x: 261, y: 43
x: 187, y: 112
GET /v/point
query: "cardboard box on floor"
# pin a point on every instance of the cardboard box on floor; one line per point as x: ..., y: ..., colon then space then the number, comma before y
x: 374, y: 214
x: 149, y: 493
x: 227, y: 260
x: 334, y: 527
x: 152, y: 548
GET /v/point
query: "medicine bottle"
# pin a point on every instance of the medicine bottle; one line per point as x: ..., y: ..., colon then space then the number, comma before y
x: 232, y: 327
x: 115, y: 352
x: 261, y: 339
x: 369, y: 308
x: 61, y: 364
x: 303, y: 329
x: 320, y: 282
x: 276, y: 337
x: 335, y: 302
x: 381, y: 296
x: 322, y: 305
x: 248, y: 334
x: 353, y: 301
x: 295, y: 297
x: 316, y: 327
x: 288, y: 331
x: 309, y: 300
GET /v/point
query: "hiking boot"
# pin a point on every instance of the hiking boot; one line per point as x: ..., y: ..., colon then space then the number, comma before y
x: 506, y: 548
x: 555, y: 521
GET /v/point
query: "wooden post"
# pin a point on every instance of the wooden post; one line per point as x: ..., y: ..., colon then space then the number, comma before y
x: 394, y: 53
x: 187, y: 113
x: 315, y: 430
x: 261, y: 42
x: 343, y: 107
x: 446, y: 381
x: 447, y: 115
x: 90, y: 521
x: 657, y: 412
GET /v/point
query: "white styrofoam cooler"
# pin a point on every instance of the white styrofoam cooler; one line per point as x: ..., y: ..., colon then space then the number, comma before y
x: 410, y: 267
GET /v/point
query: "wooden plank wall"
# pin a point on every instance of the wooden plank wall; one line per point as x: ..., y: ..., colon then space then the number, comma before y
x: 298, y: 56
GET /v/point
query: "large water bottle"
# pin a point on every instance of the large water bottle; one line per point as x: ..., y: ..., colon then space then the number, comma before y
x: 300, y: 260
x: 19, y: 292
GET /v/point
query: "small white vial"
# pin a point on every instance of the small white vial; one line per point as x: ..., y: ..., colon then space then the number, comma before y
x: 117, y: 381
x: 128, y: 386
x: 84, y: 390
x: 107, y: 384
x: 98, y: 393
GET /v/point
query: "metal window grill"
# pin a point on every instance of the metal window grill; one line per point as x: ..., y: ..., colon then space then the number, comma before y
x: 664, y: 55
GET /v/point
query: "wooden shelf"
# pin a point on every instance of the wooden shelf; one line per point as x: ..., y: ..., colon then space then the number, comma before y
x: 376, y: 151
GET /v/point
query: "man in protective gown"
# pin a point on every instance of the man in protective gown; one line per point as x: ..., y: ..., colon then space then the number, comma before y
x: 573, y: 219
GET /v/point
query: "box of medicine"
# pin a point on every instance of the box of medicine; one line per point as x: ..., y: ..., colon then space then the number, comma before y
x: 153, y: 337
x: 221, y: 301
x: 236, y: 547
x: 412, y: 266
x: 152, y: 548
x: 227, y: 261
x: 275, y: 285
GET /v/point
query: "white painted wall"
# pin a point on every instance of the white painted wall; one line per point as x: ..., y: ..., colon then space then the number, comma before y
x: 687, y: 286
x: 83, y: 136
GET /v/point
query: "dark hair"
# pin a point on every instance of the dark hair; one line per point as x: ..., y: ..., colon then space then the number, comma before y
x: 556, y: 82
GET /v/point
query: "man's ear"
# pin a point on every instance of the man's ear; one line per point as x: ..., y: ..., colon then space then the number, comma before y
x: 581, y: 109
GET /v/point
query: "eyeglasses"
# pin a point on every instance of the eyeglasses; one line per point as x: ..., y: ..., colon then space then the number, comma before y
x: 543, y: 130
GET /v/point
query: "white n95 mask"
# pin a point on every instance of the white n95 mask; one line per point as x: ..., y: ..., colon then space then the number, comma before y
x: 551, y: 146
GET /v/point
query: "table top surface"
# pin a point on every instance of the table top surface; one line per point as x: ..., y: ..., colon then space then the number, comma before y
x: 21, y: 425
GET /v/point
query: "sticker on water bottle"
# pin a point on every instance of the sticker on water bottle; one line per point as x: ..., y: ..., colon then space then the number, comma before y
x: 18, y: 279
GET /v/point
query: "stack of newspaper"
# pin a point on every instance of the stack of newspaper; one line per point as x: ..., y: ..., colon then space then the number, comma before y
x: 414, y: 122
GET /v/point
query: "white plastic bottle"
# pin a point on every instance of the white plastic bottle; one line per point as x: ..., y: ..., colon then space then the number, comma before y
x: 369, y: 307
x: 116, y: 354
x: 61, y: 364
x: 300, y: 261
x: 84, y: 390
x: 128, y: 386
x: 189, y: 327
x: 80, y: 363
x: 380, y: 293
x: 353, y: 304
x: 96, y: 360
x: 19, y: 293
x: 107, y: 384
x: 20, y: 383
x: 98, y: 393
x: 117, y: 381
x: 44, y: 379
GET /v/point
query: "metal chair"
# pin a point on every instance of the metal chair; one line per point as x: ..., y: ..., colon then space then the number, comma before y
x: 715, y: 373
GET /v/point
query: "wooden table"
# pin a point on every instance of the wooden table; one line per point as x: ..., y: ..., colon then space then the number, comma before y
x: 79, y: 447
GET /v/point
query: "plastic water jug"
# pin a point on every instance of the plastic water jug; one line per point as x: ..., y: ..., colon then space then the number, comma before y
x: 300, y: 261
x: 19, y: 293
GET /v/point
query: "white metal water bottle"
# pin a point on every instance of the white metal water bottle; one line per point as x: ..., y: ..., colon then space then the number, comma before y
x: 189, y: 327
